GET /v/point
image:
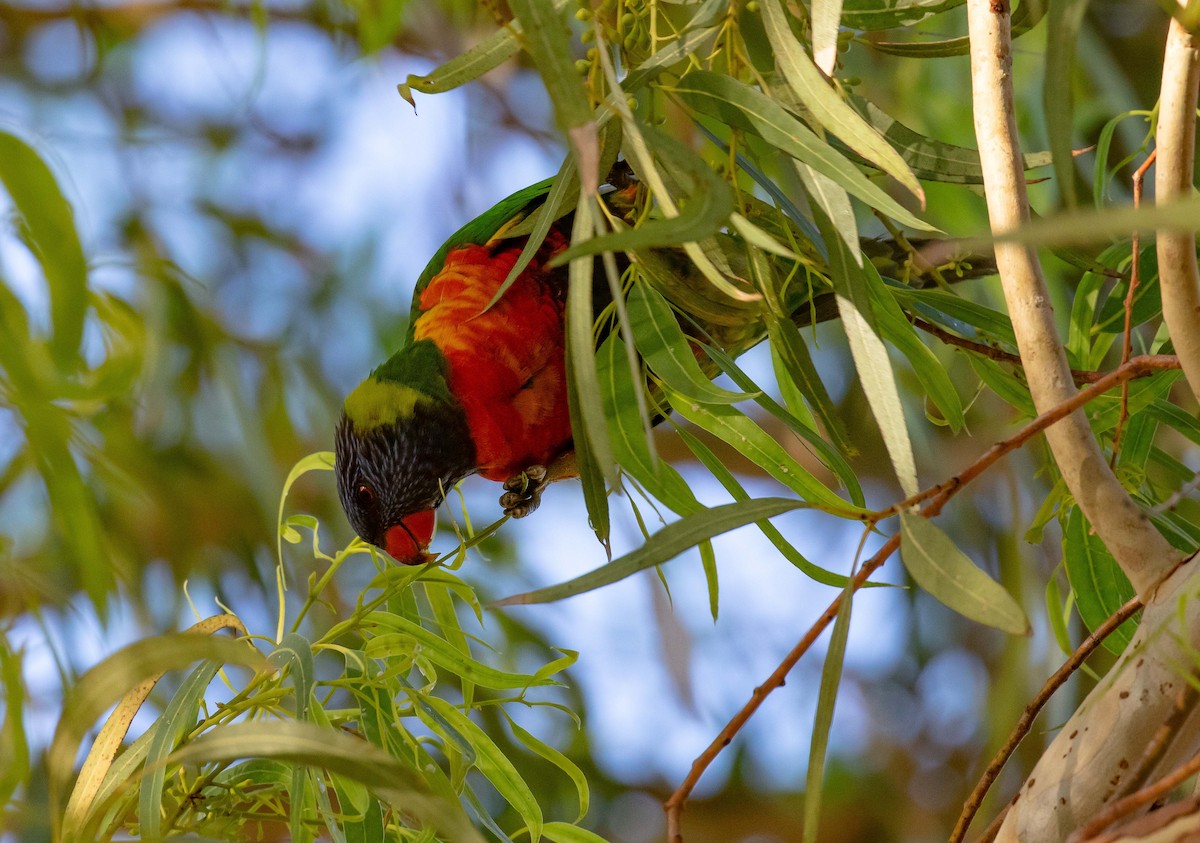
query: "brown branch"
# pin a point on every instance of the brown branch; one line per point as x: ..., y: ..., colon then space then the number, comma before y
x: 1134, y: 279
x: 1137, y: 367
x: 1021, y: 729
x: 1080, y: 376
x: 1148, y: 795
x: 937, y: 496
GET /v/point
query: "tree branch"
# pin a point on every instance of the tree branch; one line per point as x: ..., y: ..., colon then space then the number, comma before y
x: 1175, y: 146
x: 937, y: 496
x: 1143, y: 554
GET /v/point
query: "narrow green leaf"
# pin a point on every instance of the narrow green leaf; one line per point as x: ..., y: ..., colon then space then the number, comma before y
x: 663, y: 546
x: 854, y: 300
x: 495, y: 766
x: 14, y: 744
x: 727, y: 479
x: 581, y: 358
x: 940, y: 304
x: 831, y: 679
x: 104, y: 684
x: 829, y: 456
x: 874, y: 15
x: 297, y: 742
x: 1099, y: 584
x: 739, y: 105
x: 1058, y: 612
x: 562, y: 762
x: 176, y: 720
x: 1058, y: 102
x: 628, y: 435
x: 1004, y: 383
x: 734, y: 427
x: 939, y: 567
x: 709, y: 203
x: 547, y: 39
x: 930, y: 158
x: 826, y: 106
x: 48, y: 229
x: 661, y: 342
x: 466, y: 67
x: 406, y: 633
x: 1024, y: 17
x: 925, y: 365
x: 564, y: 833
x: 591, y: 477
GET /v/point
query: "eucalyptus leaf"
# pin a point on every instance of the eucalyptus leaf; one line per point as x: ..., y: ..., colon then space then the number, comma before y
x: 939, y: 567
x: 666, y: 544
x: 741, y: 106
x: 1097, y: 581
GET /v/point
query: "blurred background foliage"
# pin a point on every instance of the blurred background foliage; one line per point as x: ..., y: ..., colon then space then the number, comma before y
x: 253, y: 201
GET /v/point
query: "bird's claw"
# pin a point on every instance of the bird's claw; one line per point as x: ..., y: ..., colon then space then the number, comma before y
x: 524, y: 491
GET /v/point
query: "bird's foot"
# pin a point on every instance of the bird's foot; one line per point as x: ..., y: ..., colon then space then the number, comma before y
x: 524, y: 491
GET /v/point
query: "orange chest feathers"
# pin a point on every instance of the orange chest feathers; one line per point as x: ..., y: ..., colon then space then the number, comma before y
x: 507, y: 365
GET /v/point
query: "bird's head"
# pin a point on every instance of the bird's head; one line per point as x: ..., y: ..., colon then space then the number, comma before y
x: 398, y: 450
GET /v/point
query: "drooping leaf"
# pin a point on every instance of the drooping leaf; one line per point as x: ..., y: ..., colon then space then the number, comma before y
x: 826, y: 106
x: 943, y: 570
x: 47, y: 225
x: 628, y: 434
x: 491, y: 761
x: 547, y: 39
x: 739, y: 430
x: 930, y: 158
x: 297, y: 742
x: 739, y: 105
x: 727, y: 479
x: 662, y: 546
x: 1099, y: 584
x: 662, y: 344
x: 466, y: 67
x: 827, y: 694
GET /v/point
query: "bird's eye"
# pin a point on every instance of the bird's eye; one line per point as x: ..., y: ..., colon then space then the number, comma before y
x: 364, y: 496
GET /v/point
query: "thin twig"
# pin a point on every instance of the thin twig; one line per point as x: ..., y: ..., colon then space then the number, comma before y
x: 937, y: 496
x: 1080, y: 376
x: 1149, y: 794
x: 1134, y: 279
x: 1056, y: 681
x: 1137, y: 367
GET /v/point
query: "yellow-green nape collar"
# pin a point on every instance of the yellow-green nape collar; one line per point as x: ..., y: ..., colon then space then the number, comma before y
x: 374, y: 403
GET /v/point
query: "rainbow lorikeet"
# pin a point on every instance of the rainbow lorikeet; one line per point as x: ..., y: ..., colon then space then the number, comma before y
x: 474, y: 390
x: 482, y: 390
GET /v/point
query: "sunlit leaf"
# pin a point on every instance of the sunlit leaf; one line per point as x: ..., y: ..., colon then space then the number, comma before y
x: 739, y: 105
x: 491, y: 761
x: 562, y: 762
x: 826, y: 106
x: 939, y: 567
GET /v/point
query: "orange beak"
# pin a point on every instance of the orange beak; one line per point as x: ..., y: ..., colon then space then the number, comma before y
x: 406, y: 542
